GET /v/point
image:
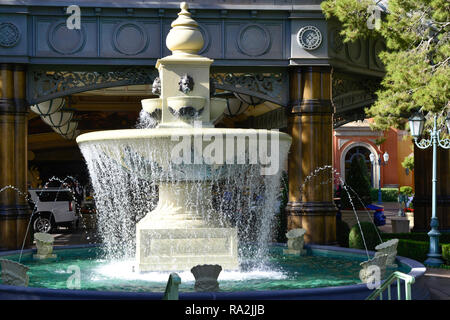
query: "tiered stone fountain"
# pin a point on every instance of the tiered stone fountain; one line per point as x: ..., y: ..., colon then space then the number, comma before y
x: 176, y: 235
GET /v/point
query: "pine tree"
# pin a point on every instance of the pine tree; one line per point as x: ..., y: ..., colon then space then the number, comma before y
x: 417, y: 36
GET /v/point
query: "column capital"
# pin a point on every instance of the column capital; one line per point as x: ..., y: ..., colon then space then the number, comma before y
x: 310, y: 90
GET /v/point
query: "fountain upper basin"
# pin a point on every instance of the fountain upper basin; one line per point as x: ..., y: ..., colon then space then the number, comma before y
x: 163, y: 149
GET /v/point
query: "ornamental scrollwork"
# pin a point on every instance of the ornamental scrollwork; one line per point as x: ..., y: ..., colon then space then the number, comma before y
x: 45, y: 85
x: 268, y: 86
x: 423, y: 143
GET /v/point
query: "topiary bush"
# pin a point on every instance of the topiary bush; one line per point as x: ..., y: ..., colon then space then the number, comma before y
x: 342, y: 233
x: 355, y: 240
x: 357, y: 181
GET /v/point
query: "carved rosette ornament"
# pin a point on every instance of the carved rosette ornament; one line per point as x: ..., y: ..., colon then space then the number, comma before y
x: 9, y: 34
x: 309, y: 38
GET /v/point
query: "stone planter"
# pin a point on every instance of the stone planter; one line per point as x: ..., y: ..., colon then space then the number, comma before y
x: 349, y: 216
x: 400, y: 225
x: 410, y: 217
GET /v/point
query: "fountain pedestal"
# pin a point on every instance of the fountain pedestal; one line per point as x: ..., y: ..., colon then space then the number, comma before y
x: 178, y: 236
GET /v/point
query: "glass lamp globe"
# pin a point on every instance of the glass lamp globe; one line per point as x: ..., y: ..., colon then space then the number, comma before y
x: 416, y: 122
x: 385, y: 157
x: 372, y: 158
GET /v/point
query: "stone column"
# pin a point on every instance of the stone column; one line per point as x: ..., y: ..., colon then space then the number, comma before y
x: 310, y: 124
x: 14, y: 210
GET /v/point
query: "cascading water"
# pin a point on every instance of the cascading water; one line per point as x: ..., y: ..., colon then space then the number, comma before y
x: 177, y: 192
x: 238, y: 195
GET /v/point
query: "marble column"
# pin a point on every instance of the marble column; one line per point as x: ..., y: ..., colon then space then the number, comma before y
x: 14, y: 210
x: 310, y: 123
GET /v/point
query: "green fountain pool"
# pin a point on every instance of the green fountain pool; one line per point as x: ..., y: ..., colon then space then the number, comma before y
x: 280, y: 272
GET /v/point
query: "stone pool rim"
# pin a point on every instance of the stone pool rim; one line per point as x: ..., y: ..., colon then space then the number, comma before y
x: 348, y: 292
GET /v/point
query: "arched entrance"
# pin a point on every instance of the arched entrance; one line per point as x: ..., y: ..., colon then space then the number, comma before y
x: 363, y: 150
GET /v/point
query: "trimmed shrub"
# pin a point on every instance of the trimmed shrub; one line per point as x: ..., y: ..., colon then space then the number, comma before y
x: 446, y: 253
x: 387, y: 194
x: 416, y: 250
x: 357, y: 181
x: 342, y: 233
x: 369, y: 230
x: 417, y: 236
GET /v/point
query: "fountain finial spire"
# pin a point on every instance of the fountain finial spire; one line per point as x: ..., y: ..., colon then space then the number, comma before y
x: 184, y: 37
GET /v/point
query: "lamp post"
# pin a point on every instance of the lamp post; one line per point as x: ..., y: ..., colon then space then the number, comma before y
x: 416, y: 126
x: 380, y: 163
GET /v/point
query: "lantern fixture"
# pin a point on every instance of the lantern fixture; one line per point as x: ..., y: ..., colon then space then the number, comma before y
x: 48, y: 107
x: 416, y: 124
x: 235, y: 107
x: 58, y: 119
x: 250, y: 100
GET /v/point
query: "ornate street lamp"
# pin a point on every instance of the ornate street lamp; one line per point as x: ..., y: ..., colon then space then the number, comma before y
x: 416, y: 125
x: 380, y: 163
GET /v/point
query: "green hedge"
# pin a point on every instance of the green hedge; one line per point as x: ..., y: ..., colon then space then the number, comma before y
x: 416, y: 250
x: 387, y: 194
x: 446, y: 253
x: 417, y: 236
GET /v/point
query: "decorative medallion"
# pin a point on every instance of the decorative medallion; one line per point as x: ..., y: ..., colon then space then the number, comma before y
x: 309, y: 38
x: 130, y: 38
x: 9, y: 34
x: 354, y: 50
x: 64, y: 40
x: 378, y: 47
x: 253, y: 40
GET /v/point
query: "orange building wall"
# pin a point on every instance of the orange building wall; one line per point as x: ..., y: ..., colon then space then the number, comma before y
x: 395, y: 145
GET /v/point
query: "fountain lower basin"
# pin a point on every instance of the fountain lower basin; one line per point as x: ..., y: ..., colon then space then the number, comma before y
x: 264, y: 287
x: 184, y: 230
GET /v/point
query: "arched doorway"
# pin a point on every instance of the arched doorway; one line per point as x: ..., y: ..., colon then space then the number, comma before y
x: 363, y: 152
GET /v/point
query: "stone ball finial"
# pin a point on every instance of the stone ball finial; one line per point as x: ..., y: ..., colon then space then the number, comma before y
x: 184, y: 37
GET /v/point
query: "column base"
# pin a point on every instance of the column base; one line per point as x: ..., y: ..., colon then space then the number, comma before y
x: 317, y: 218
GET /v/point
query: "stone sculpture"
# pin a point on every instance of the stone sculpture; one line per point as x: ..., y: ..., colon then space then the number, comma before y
x: 44, y: 245
x: 14, y: 273
x: 390, y: 248
x: 295, y: 242
x: 366, y: 273
x: 206, y: 277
